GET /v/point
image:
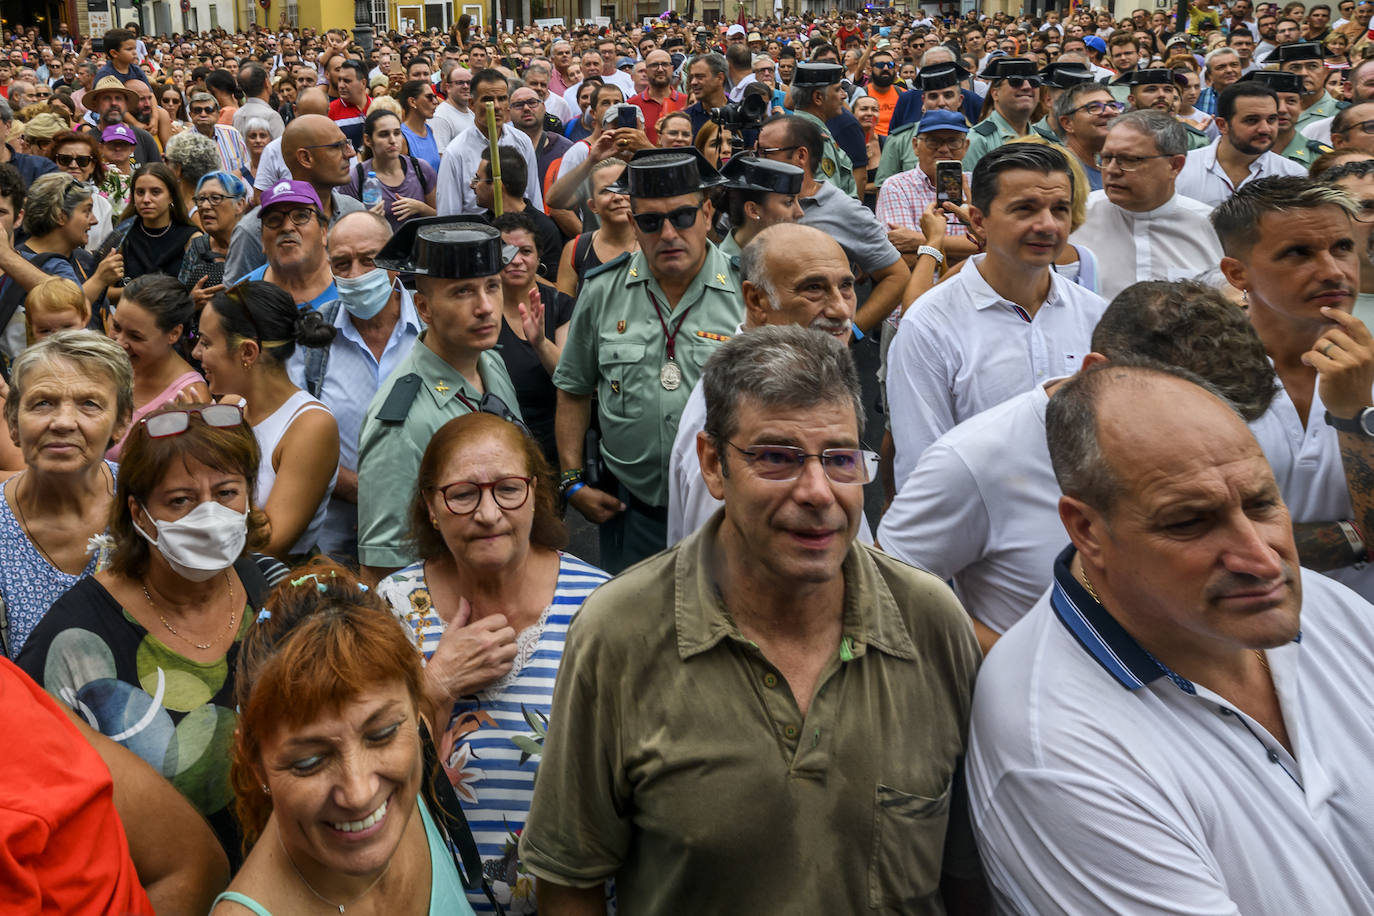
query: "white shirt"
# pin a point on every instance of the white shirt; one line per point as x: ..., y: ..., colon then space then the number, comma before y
x: 690, y: 504
x: 447, y: 123
x: 1204, y: 180
x: 623, y: 80
x: 737, y: 93
x: 271, y: 167
x: 1319, y: 130
x: 460, y: 161
x: 1172, y: 242
x: 573, y: 156
x: 1307, y: 465
x: 961, y: 348
x: 352, y: 378
x: 555, y: 106
x: 1100, y: 782
x: 981, y: 508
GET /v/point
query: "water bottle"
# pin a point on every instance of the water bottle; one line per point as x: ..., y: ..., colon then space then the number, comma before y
x: 372, y: 190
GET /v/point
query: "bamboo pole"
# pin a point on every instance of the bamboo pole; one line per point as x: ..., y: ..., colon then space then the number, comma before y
x: 492, y: 137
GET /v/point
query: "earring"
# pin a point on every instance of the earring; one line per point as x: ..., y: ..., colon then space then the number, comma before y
x: 265, y: 790
x: 246, y: 364
x: 1245, y: 298
x: 434, y: 521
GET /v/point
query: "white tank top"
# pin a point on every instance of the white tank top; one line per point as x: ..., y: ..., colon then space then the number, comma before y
x: 269, y: 434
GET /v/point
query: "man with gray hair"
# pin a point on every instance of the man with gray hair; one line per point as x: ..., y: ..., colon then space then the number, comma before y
x: 1081, y: 115
x: 233, y: 149
x: 789, y: 274
x: 738, y: 709
x: 1222, y: 67
x: 1182, y: 682
x: 1136, y: 223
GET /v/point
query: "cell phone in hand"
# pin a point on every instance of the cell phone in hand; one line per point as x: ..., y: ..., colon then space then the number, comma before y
x: 627, y: 116
x: 949, y: 181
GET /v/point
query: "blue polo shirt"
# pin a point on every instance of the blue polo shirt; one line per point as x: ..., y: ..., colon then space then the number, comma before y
x: 329, y: 295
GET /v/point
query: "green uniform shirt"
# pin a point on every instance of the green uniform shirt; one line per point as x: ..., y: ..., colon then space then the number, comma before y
x: 728, y: 246
x: 835, y: 166
x: 1324, y: 107
x: 681, y: 765
x: 394, y: 437
x: 1302, y: 150
x: 1197, y: 139
x: 616, y: 347
x: 986, y: 136
x: 899, y: 153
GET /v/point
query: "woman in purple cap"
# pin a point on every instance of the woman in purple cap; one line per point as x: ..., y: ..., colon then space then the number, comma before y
x: 117, y: 150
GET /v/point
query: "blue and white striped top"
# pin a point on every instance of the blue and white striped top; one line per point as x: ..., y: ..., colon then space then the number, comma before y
x: 491, y: 747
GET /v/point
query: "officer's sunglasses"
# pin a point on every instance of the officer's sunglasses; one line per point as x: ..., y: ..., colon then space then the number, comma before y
x: 1021, y: 82
x: 681, y: 218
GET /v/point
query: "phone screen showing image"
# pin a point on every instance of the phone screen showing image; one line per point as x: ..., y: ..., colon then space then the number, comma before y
x: 949, y: 181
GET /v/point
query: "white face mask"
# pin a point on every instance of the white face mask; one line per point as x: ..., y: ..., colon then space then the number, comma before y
x: 202, y: 543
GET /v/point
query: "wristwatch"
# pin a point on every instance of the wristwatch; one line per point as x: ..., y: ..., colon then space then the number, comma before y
x: 1362, y: 423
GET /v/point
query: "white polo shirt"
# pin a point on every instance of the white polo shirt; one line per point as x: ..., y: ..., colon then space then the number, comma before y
x: 961, y: 348
x: 1202, y: 179
x: 1102, y: 782
x: 1171, y: 242
x: 981, y: 508
x: 1307, y: 465
x: 690, y: 504
x: 457, y: 166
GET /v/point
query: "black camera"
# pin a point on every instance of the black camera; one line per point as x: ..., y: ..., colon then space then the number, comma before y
x: 746, y: 114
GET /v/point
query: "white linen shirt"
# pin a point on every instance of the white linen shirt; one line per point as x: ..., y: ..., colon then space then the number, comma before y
x: 1102, y: 782
x: 460, y: 161
x: 1172, y: 242
x: 961, y: 348
x: 352, y: 378
x: 448, y: 122
x: 1311, y: 478
x: 981, y: 508
x: 1204, y: 180
x: 690, y: 504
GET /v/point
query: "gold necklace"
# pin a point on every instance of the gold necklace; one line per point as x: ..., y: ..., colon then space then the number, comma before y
x: 1092, y: 593
x: 322, y: 897
x: 233, y: 615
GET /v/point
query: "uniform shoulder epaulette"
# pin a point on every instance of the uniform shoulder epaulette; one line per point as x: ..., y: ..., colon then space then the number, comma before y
x: 612, y: 264
x: 1318, y: 147
x: 1342, y: 105
x: 909, y: 125
x: 397, y: 404
x: 1047, y: 134
x: 734, y: 263
x: 1193, y: 130
x: 985, y: 128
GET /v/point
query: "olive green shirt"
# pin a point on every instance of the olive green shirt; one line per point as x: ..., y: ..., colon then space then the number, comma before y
x: 986, y: 136
x: 394, y: 437
x: 1324, y: 107
x: 899, y: 153
x: 728, y: 246
x: 835, y: 166
x: 1302, y: 150
x: 679, y: 763
x: 616, y: 347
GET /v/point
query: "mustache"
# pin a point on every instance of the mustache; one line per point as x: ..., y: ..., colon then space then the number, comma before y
x: 1232, y: 582
x: 831, y: 325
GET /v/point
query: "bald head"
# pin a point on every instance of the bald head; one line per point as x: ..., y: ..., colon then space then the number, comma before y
x: 354, y: 242
x: 313, y: 148
x: 312, y: 102
x: 795, y: 274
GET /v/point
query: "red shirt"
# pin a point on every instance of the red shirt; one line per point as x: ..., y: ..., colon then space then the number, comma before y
x: 62, y: 846
x: 654, y: 109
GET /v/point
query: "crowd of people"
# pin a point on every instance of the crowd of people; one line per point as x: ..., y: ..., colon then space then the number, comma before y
x: 317, y: 357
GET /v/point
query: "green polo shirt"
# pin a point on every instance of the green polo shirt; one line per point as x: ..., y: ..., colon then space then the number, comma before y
x: 395, y: 433
x: 835, y: 166
x: 679, y: 763
x: 986, y: 136
x: 616, y: 348
x: 1324, y: 107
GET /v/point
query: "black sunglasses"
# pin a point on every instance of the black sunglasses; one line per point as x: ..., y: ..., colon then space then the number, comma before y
x: 681, y: 218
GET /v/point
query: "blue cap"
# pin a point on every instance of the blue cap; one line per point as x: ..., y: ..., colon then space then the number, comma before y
x: 1097, y: 44
x: 940, y: 119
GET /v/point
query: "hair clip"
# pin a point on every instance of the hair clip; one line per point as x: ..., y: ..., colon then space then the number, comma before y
x: 264, y: 615
x: 361, y: 587
x: 320, y: 586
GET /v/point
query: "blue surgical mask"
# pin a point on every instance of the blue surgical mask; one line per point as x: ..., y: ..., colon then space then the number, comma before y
x: 365, y: 296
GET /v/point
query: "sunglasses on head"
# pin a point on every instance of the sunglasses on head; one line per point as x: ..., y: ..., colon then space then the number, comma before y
x: 681, y: 218
x: 176, y: 422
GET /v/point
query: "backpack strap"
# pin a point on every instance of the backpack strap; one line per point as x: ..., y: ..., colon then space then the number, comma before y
x: 254, y: 581
x: 419, y: 173
x: 448, y: 815
x: 317, y: 358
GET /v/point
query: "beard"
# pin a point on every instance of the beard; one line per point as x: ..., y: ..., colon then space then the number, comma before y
x: 1253, y: 149
x: 112, y: 116
x: 884, y: 78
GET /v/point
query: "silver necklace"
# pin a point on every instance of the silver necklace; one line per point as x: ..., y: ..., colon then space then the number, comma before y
x: 322, y: 897
x: 165, y: 229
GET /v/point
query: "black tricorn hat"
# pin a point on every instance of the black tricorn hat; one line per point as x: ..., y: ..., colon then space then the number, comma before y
x: 1298, y: 50
x: 666, y: 173
x: 444, y: 246
x: 941, y: 76
x: 1152, y: 76
x: 1066, y: 75
x: 1000, y: 68
x: 817, y: 74
x: 747, y: 173
x: 1277, y: 80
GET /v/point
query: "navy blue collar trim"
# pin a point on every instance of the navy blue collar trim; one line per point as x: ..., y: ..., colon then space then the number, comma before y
x: 1099, y: 633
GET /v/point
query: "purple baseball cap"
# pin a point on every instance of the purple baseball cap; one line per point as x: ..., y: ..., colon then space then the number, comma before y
x: 118, y: 132
x: 290, y: 192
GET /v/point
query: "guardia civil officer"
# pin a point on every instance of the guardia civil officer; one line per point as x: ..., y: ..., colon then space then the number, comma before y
x: 941, y: 87
x: 761, y: 193
x: 452, y: 371
x: 644, y: 326
x: 1014, y: 92
x: 818, y: 96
